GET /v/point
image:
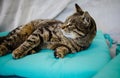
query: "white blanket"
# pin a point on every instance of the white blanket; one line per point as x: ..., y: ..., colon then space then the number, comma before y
x: 16, y: 12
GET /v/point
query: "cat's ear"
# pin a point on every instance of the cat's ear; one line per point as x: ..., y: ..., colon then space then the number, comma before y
x: 86, y: 14
x: 78, y: 9
x: 87, y: 18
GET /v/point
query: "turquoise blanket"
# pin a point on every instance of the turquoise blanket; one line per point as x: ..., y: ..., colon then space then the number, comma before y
x: 111, y: 70
x: 84, y: 64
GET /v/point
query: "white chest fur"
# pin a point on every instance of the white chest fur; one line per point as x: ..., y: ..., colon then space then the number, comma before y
x: 69, y: 35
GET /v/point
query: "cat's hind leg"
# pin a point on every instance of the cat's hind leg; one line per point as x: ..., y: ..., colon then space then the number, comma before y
x: 24, y: 49
x: 3, y: 50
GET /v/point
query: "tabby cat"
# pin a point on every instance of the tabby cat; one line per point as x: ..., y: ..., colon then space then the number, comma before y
x: 74, y: 35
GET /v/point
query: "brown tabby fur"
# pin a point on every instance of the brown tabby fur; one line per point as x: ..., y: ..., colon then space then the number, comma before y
x: 74, y: 35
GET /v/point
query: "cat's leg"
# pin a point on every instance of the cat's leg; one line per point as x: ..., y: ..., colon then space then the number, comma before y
x: 61, y: 51
x: 35, y: 40
x: 15, y: 38
x: 10, y: 43
x: 7, y: 41
x: 7, y: 44
x: 25, y: 48
x: 3, y: 50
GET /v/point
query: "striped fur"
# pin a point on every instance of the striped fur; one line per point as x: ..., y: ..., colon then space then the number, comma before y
x: 74, y: 35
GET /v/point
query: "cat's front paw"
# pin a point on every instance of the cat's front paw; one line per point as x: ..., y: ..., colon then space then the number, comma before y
x: 17, y: 54
x: 59, y: 54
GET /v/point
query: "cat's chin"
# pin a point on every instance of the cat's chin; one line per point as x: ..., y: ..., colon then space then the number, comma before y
x: 69, y: 35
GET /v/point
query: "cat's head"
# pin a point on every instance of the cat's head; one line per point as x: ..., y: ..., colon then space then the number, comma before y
x: 78, y: 24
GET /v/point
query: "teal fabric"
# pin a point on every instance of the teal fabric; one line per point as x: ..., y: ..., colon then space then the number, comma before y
x: 83, y: 64
x: 107, y: 36
x: 111, y: 70
x: 118, y: 49
x: 3, y: 33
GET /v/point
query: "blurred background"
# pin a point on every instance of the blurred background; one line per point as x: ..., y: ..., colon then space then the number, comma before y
x: 16, y: 12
